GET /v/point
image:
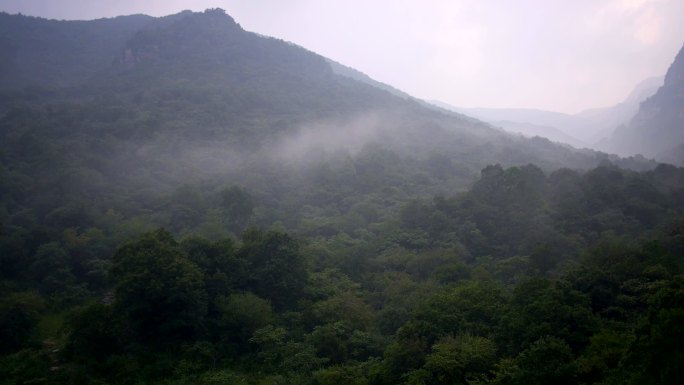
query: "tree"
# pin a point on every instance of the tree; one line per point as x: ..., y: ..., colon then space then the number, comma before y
x: 456, y: 360
x: 548, y: 360
x: 540, y: 307
x: 241, y: 315
x: 656, y: 357
x: 473, y: 307
x: 95, y: 332
x: 223, y: 272
x: 158, y: 288
x: 18, y: 317
x: 277, y: 269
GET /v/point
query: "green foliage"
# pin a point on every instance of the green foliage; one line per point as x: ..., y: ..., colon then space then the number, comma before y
x: 26, y: 366
x: 542, y: 308
x: 277, y: 270
x: 242, y: 315
x: 378, y: 264
x: 348, y: 374
x: 346, y: 307
x: 375, y: 308
x: 456, y: 360
x: 280, y: 354
x: 160, y: 290
x: 655, y: 356
x: 548, y: 360
x: 601, y: 358
x: 338, y: 342
x: 474, y: 307
x: 222, y: 270
x: 96, y: 332
x: 18, y: 317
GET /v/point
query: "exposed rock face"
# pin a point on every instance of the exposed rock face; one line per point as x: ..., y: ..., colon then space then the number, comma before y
x: 657, y: 130
x: 675, y: 75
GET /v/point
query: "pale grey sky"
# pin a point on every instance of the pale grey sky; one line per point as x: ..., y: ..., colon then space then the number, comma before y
x: 560, y: 55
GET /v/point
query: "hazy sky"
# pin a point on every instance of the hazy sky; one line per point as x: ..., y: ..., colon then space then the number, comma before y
x: 561, y: 55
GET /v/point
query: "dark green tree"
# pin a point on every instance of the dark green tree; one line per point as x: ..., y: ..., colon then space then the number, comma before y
x: 456, y: 360
x: 159, y: 289
x: 18, y: 317
x: 656, y: 356
x: 540, y: 308
x: 277, y: 269
x: 548, y: 360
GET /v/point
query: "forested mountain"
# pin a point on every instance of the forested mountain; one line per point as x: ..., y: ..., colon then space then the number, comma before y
x: 658, y: 128
x: 186, y: 202
x: 194, y: 98
x: 40, y: 52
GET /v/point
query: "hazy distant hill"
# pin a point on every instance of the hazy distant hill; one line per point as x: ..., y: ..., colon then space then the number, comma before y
x: 528, y: 122
x: 532, y: 130
x: 601, y: 122
x: 657, y: 130
x: 584, y: 129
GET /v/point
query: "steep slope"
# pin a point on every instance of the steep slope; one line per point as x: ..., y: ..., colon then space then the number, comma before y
x: 194, y: 99
x: 658, y: 128
x: 351, y: 73
x: 40, y: 52
x: 601, y: 122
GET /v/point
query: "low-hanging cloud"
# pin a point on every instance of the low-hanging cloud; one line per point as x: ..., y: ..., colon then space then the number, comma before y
x: 349, y: 134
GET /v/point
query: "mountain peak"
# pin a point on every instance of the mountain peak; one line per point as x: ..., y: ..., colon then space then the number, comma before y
x: 675, y: 74
x: 656, y: 130
x: 217, y: 15
x: 217, y: 12
x: 182, y: 35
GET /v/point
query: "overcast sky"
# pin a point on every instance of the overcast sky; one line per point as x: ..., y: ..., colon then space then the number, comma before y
x: 559, y: 55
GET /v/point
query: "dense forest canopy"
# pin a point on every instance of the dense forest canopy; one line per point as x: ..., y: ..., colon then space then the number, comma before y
x: 186, y: 202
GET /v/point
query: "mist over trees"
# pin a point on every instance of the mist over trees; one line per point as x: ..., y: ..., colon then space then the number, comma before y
x: 186, y: 202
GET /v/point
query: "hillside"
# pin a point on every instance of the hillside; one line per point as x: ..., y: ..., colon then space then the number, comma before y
x: 604, y: 121
x: 658, y: 128
x: 40, y: 52
x: 193, y: 98
x: 186, y: 202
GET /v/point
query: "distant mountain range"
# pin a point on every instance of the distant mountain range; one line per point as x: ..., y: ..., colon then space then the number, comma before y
x: 601, y: 122
x: 657, y: 130
x: 584, y: 129
x: 528, y: 122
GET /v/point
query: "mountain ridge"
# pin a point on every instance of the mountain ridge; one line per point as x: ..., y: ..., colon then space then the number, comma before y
x: 657, y: 130
x: 200, y: 76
